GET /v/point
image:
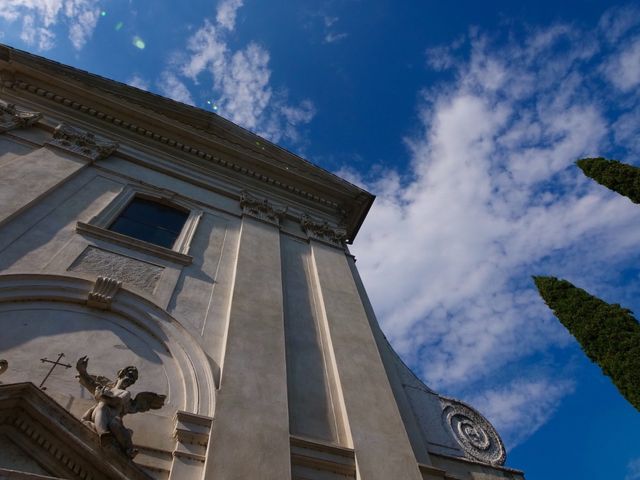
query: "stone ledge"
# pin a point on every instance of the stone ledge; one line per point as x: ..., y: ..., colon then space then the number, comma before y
x: 133, y: 243
x: 322, y: 457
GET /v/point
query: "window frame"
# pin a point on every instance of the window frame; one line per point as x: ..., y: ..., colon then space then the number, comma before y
x: 99, y: 225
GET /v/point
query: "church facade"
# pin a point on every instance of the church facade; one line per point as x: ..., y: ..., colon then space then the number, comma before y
x: 178, y: 301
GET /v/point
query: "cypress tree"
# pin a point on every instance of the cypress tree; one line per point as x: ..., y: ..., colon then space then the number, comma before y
x: 617, y: 176
x: 608, y: 334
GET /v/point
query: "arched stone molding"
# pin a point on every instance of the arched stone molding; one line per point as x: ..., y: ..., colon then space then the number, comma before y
x: 195, y: 389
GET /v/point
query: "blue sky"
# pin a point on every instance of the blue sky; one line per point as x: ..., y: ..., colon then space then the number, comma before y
x: 465, y: 119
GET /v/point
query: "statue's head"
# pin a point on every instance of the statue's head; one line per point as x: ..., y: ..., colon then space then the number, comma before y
x: 127, y: 376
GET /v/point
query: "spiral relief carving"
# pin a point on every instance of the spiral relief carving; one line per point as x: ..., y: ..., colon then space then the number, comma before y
x: 473, y: 432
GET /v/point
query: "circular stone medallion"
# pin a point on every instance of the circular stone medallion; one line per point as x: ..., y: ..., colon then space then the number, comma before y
x: 473, y: 432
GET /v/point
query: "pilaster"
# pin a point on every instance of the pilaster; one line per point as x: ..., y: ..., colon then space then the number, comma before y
x: 250, y: 436
x: 381, y: 445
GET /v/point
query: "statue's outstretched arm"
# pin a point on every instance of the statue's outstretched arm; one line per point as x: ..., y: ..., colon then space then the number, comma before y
x: 87, y: 381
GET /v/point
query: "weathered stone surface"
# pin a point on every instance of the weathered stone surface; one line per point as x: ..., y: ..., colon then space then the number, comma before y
x: 124, y: 269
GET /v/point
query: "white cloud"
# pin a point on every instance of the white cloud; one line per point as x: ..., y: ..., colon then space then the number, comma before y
x: 623, y: 70
x: 491, y: 198
x: 333, y: 37
x: 226, y: 13
x: 240, y: 80
x: 521, y: 408
x: 39, y: 17
x: 138, y: 82
x: 172, y: 87
x: 633, y: 470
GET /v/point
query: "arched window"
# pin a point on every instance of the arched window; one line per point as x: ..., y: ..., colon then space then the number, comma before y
x: 150, y: 221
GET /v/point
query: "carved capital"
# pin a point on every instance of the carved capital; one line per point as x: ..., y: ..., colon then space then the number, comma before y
x: 102, y: 293
x: 81, y: 142
x: 261, y: 209
x: 477, y: 437
x: 12, y: 118
x: 323, y: 232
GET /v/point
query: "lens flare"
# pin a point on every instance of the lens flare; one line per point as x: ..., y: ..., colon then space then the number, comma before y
x: 138, y: 43
x: 119, y: 25
x: 103, y: 13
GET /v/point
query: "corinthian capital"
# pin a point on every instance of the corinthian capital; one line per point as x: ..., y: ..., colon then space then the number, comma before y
x: 82, y: 142
x: 262, y: 209
x: 12, y: 118
x: 323, y: 232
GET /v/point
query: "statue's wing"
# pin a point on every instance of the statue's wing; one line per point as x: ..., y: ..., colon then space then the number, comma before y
x: 147, y: 401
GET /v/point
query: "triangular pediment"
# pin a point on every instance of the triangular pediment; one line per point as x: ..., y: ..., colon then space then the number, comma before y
x: 43, y: 440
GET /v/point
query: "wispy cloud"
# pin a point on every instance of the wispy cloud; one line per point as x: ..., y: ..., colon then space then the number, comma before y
x: 519, y: 409
x: 170, y: 86
x: 330, y: 34
x: 39, y: 17
x: 492, y: 198
x: 623, y: 69
x: 226, y: 14
x: 332, y: 37
x: 138, y: 82
x: 633, y: 470
x: 240, y: 79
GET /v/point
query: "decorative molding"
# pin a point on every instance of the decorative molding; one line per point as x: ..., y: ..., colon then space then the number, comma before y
x: 12, y: 118
x: 192, y: 435
x: 261, y: 209
x: 477, y: 437
x: 81, y: 142
x: 4, y: 366
x: 324, y: 232
x: 133, y: 243
x: 67, y: 102
x: 102, y: 293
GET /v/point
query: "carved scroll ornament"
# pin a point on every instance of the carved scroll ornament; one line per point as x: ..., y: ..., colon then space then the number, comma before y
x: 102, y: 293
x: 81, y: 142
x: 12, y: 118
x: 473, y: 432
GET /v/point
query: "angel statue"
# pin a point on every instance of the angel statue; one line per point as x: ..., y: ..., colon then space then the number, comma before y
x: 114, y: 402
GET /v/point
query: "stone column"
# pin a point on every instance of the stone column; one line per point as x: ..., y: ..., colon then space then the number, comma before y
x: 381, y: 445
x: 30, y: 177
x: 250, y: 435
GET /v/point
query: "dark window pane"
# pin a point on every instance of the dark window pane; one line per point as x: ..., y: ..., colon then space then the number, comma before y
x: 155, y: 214
x: 150, y: 221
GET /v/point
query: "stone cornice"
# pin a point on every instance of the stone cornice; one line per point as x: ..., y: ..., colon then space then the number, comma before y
x: 177, y: 145
x: 12, y: 118
x: 199, y: 132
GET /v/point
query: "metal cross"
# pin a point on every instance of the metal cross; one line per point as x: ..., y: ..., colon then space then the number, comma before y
x: 55, y: 364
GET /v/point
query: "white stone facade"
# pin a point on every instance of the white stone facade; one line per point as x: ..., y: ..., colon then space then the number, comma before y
x: 254, y: 325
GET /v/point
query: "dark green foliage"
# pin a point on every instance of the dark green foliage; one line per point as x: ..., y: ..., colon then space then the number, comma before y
x: 608, y: 334
x: 617, y: 176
